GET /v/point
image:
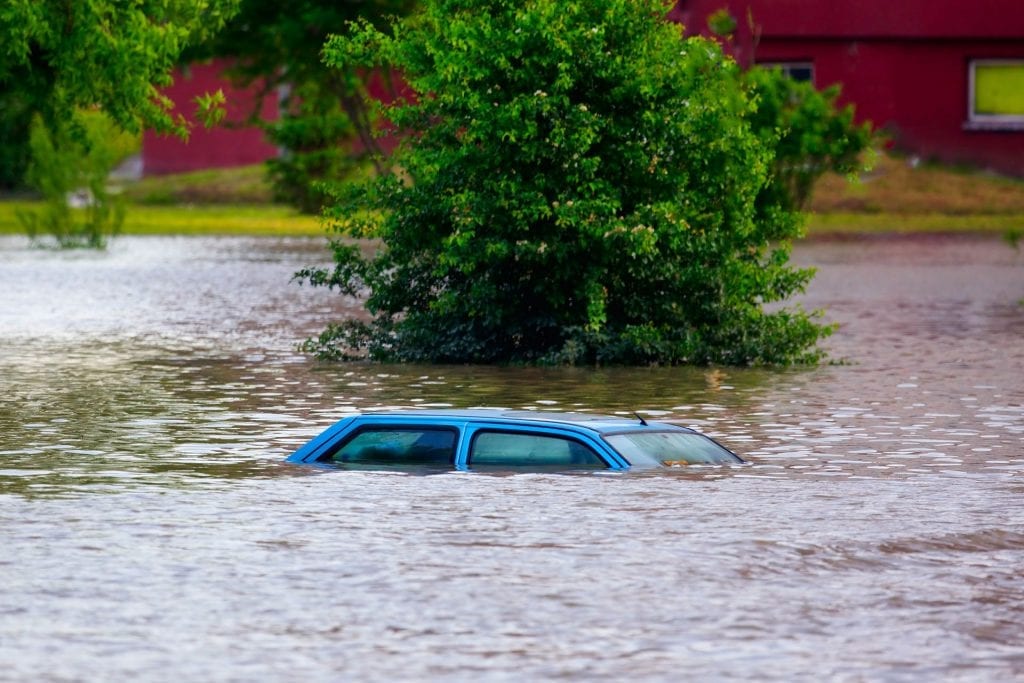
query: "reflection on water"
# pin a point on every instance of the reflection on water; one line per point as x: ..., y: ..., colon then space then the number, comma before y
x: 149, y: 394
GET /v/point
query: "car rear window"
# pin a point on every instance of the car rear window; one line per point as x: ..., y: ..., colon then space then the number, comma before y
x: 398, y: 446
x: 517, y: 449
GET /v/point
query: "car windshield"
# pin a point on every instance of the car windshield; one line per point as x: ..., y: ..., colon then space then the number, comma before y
x: 670, y: 448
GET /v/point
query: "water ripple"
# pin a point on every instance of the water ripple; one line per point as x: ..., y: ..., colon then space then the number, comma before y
x: 148, y: 396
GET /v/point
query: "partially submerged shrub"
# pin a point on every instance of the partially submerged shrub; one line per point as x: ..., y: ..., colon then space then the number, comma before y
x: 579, y: 184
x: 70, y: 167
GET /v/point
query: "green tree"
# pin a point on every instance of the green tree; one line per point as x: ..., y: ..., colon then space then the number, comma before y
x: 578, y: 184
x: 15, y: 118
x: 63, y: 56
x: 66, y: 164
x: 278, y: 45
x: 59, y: 55
x: 808, y: 132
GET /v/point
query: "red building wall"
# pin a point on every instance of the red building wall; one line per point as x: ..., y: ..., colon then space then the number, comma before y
x: 218, y: 147
x: 903, y: 64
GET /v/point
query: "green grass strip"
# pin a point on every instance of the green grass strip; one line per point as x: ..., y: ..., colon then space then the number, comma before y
x: 274, y: 220
x: 248, y: 219
x: 893, y: 223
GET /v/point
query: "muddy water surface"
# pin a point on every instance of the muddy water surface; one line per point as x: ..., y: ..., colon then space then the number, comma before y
x: 150, y: 530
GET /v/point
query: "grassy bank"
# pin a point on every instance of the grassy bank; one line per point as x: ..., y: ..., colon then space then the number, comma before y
x: 842, y: 223
x: 901, y: 186
x: 212, y: 219
x: 233, y: 201
x: 897, y: 196
x: 901, y: 196
x: 241, y: 185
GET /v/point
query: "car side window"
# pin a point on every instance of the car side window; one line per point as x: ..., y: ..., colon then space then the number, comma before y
x: 519, y: 449
x: 398, y: 446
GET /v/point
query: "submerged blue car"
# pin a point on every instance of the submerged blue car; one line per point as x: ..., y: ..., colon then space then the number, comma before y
x: 507, y: 440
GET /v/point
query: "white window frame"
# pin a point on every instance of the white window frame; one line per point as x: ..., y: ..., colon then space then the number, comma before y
x: 976, y: 121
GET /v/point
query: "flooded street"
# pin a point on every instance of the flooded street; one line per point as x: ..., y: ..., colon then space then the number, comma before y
x: 150, y: 530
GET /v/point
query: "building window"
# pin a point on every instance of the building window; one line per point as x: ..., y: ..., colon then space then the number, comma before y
x: 996, y: 94
x: 798, y: 71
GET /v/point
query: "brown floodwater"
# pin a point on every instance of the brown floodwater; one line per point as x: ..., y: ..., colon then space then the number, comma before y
x: 150, y: 530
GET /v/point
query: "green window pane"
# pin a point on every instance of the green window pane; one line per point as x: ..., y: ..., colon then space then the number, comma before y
x: 999, y: 89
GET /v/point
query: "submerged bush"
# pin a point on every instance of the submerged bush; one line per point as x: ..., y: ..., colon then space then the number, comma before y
x: 578, y: 183
x: 70, y: 167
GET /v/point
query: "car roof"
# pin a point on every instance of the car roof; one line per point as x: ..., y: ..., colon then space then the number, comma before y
x: 593, y: 421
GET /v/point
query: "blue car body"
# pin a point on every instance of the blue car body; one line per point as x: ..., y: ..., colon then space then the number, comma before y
x: 485, y: 439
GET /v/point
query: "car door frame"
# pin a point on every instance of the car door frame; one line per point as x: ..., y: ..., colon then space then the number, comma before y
x: 470, y: 429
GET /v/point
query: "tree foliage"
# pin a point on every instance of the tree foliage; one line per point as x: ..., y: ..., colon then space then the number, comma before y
x: 66, y: 165
x: 579, y: 184
x: 809, y: 132
x: 15, y: 118
x: 278, y: 45
x: 59, y: 55
x: 62, y: 57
